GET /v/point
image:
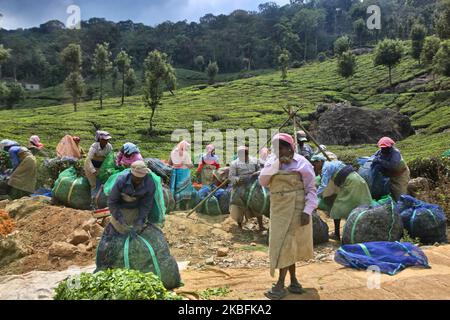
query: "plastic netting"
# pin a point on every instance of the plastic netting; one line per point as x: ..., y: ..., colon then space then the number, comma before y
x: 387, y: 257
x: 146, y: 252
x: 218, y: 204
x: 379, y: 185
x: 160, y: 168
x: 320, y: 230
x: 423, y: 220
x: 252, y: 196
x: 72, y: 190
x: 108, y: 168
x: 373, y: 223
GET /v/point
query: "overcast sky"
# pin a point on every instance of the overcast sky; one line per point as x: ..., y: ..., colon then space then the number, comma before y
x: 31, y: 13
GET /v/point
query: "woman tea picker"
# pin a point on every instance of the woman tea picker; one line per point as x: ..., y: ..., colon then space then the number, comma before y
x: 350, y: 188
x: 129, y: 154
x: 180, y: 181
x: 291, y: 181
x: 131, y: 239
x: 96, y: 155
x: 209, y: 162
x: 22, y: 181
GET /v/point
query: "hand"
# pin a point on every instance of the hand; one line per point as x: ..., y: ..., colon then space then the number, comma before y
x: 304, y: 219
x: 255, y: 174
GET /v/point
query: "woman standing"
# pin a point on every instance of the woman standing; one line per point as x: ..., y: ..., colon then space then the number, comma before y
x: 208, y: 163
x: 180, y: 181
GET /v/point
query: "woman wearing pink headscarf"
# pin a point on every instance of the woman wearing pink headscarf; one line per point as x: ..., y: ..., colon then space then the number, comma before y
x: 291, y: 181
x: 208, y: 163
x: 180, y: 180
x: 36, y: 147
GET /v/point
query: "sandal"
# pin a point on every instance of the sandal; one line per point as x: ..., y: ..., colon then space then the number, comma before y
x: 276, y: 295
x: 296, y: 288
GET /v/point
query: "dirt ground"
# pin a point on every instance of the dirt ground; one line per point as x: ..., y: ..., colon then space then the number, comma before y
x: 213, y: 253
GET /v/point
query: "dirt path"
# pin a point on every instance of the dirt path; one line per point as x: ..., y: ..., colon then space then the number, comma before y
x: 329, y: 280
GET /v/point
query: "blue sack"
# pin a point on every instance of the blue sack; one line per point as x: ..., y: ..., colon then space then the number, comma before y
x: 423, y: 220
x: 389, y: 257
x: 379, y: 185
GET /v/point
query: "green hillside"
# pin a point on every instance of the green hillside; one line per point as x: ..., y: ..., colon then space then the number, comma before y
x: 255, y: 102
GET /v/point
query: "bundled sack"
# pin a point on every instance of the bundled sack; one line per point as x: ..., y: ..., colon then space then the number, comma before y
x: 389, y: 257
x: 320, y: 230
x: 169, y: 201
x: 373, y: 223
x: 379, y: 185
x: 253, y: 196
x: 146, y: 252
x: 108, y: 168
x: 423, y: 220
x: 218, y: 204
x: 72, y: 190
x: 50, y: 169
x: 101, y: 199
x: 160, y: 168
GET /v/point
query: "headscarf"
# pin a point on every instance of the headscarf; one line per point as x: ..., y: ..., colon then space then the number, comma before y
x: 301, y: 136
x: 208, y: 157
x: 284, y: 137
x: 130, y: 148
x: 14, y: 155
x: 6, y: 143
x: 102, y: 135
x: 139, y: 169
x: 182, y: 147
x: 386, y: 142
x: 76, y: 139
x: 318, y: 157
x: 179, y: 154
x: 36, y: 141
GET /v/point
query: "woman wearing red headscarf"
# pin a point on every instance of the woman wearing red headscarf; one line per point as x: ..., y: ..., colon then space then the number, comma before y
x: 208, y: 163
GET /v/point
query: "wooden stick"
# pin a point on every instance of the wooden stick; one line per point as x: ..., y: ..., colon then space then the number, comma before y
x: 208, y: 196
x: 312, y: 139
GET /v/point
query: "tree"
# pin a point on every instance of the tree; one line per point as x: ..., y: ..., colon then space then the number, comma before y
x: 5, y: 54
x: 388, y: 53
x: 15, y: 94
x: 283, y: 61
x: 346, y: 63
x: 74, y: 83
x: 441, y: 61
x: 211, y: 71
x: 114, y: 76
x: 341, y: 45
x: 360, y: 30
x: 159, y: 75
x: 246, y: 64
x: 418, y: 33
x: 130, y: 82
x: 102, y: 65
x: 442, y: 22
x: 430, y: 48
x: 199, y: 61
x: 123, y: 63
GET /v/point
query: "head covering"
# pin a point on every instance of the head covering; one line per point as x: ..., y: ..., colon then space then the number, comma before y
x: 386, y: 142
x: 36, y: 141
x: 76, y: 139
x: 284, y: 137
x: 301, y: 136
x: 181, y: 147
x: 208, y: 157
x: 210, y: 148
x: 139, y: 169
x: 323, y: 147
x: 318, y: 157
x: 130, y: 148
x: 263, y: 153
x: 6, y: 143
x: 102, y: 135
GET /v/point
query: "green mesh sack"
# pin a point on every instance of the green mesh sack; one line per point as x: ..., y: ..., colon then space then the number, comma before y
x: 146, y: 252
x: 169, y: 201
x: 108, y: 168
x: 72, y: 190
x: 101, y: 199
x: 211, y: 207
x: 258, y: 198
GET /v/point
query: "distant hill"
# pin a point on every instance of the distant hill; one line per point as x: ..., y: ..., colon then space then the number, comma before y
x: 252, y: 103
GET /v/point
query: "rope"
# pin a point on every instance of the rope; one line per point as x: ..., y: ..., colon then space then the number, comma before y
x: 392, y: 224
x: 126, y: 257
x: 352, y: 235
x: 71, y: 189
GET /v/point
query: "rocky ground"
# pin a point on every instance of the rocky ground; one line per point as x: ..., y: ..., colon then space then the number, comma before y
x: 50, y: 243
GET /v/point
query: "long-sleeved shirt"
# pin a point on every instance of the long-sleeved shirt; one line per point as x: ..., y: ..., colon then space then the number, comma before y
x: 304, y: 168
x: 144, y: 194
x: 305, y: 151
x: 389, y: 162
x: 329, y: 169
x: 240, y: 168
x: 124, y: 161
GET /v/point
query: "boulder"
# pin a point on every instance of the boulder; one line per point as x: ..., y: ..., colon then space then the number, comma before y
x: 79, y: 236
x: 20, y: 208
x: 10, y: 250
x: 62, y: 250
x: 223, y: 252
x: 417, y: 185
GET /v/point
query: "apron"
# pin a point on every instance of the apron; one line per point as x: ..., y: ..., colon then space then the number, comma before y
x: 92, y: 177
x: 289, y: 242
x: 399, y: 184
x: 206, y: 175
x: 129, y: 215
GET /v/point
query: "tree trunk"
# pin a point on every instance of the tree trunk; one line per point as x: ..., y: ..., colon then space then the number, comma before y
x: 306, y: 46
x: 317, y: 47
x: 74, y: 104
x: 123, y: 88
x: 151, y: 118
x: 101, y: 92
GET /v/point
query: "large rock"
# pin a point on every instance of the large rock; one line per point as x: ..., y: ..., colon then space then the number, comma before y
x: 342, y: 124
x: 22, y: 207
x: 11, y: 250
x: 79, y: 236
x: 62, y: 250
x: 418, y: 185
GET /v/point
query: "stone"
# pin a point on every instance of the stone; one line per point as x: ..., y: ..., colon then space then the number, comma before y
x: 217, y: 225
x: 11, y: 250
x: 62, y: 250
x: 244, y: 261
x: 88, y: 224
x: 4, y: 203
x: 417, y: 185
x: 253, y: 244
x: 96, y: 230
x: 229, y: 260
x: 210, y: 261
x: 79, y: 236
x: 22, y: 207
x: 223, y: 252
x: 182, y: 228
